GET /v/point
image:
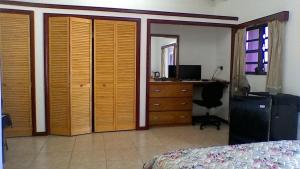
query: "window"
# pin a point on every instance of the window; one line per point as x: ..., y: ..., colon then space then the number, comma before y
x: 257, y: 50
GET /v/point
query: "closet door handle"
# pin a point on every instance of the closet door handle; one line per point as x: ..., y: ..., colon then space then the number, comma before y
x: 156, y: 104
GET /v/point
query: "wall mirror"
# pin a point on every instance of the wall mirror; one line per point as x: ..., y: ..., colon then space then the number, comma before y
x: 164, y: 56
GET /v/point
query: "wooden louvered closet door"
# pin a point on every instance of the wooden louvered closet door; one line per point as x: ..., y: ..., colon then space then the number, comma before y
x: 125, y: 67
x: 59, y: 89
x: 104, y: 75
x: 114, y: 75
x: 70, y: 75
x: 15, y: 63
x: 80, y: 51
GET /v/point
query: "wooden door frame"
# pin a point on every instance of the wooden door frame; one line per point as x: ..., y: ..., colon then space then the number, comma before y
x: 46, y: 61
x: 148, y: 57
x: 30, y: 13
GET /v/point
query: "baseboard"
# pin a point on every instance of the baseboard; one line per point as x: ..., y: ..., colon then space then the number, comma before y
x: 142, y: 128
x: 40, y: 134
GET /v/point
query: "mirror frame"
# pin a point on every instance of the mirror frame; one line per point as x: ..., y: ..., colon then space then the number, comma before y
x: 177, y: 51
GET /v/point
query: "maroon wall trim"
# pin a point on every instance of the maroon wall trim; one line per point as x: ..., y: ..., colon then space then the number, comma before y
x: 122, y: 10
x: 281, y: 16
x: 179, y: 22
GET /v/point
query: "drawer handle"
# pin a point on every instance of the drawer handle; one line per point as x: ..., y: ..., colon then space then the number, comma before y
x: 157, y: 90
x: 182, y: 117
x: 156, y: 104
x: 184, y: 90
x: 183, y: 103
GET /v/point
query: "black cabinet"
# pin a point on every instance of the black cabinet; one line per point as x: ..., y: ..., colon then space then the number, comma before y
x: 263, y: 118
x: 284, y: 121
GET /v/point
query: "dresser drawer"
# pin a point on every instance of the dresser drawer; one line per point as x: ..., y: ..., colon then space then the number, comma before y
x: 167, y: 104
x: 170, y: 117
x: 171, y: 90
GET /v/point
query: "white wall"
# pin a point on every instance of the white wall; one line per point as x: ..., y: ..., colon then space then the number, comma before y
x: 248, y: 10
x: 156, y: 44
x: 197, y: 45
x: 223, y: 57
x: 39, y: 49
x: 189, y: 6
x: 206, y: 46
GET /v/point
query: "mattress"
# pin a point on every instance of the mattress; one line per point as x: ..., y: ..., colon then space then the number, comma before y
x: 265, y: 155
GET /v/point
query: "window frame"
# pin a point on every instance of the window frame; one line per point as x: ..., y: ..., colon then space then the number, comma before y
x: 260, y: 62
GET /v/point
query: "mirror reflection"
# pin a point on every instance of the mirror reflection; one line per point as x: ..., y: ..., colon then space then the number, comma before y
x: 164, y: 56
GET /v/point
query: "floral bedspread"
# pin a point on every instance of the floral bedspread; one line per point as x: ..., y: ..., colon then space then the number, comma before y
x: 266, y: 155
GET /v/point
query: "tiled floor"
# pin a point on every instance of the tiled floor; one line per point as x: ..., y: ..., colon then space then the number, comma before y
x: 113, y: 150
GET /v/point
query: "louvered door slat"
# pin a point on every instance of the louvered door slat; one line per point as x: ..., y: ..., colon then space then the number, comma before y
x: 125, y: 67
x: 59, y: 92
x: 15, y: 63
x: 104, y: 51
x: 80, y: 62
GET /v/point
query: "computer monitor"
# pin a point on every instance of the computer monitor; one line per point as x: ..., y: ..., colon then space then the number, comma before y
x: 172, y: 71
x: 189, y: 72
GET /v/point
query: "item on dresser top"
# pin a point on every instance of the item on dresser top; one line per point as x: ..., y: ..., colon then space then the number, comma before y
x: 156, y: 74
x: 172, y: 71
x: 211, y: 97
x: 189, y: 72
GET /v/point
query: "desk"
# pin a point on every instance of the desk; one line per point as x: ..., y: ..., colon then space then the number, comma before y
x: 171, y: 102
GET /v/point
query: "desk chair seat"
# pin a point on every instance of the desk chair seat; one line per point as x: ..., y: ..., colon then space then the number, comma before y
x: 211, y: 96
x: 208, y: 104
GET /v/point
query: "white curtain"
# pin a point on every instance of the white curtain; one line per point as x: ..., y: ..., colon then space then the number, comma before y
x: 238, y: 70
x: 164, y: 62
x: 274, y: 76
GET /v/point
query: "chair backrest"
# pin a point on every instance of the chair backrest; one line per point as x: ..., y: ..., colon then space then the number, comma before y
x: 213, y: 91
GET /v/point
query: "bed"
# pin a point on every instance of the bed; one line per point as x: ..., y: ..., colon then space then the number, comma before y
x: 265, y: 155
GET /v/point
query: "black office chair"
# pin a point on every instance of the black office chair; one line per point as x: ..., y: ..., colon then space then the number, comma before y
x: 211, y: 97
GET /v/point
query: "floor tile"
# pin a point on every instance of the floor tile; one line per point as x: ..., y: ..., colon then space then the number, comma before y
x: 88, y: 160
x: 52, y: 160
x: 19, y: 161
x: 59, y: 144
x: 125, y: 164
x: 111, y: 150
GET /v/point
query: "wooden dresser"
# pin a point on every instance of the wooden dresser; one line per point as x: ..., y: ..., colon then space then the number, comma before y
x: 170, y: 103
